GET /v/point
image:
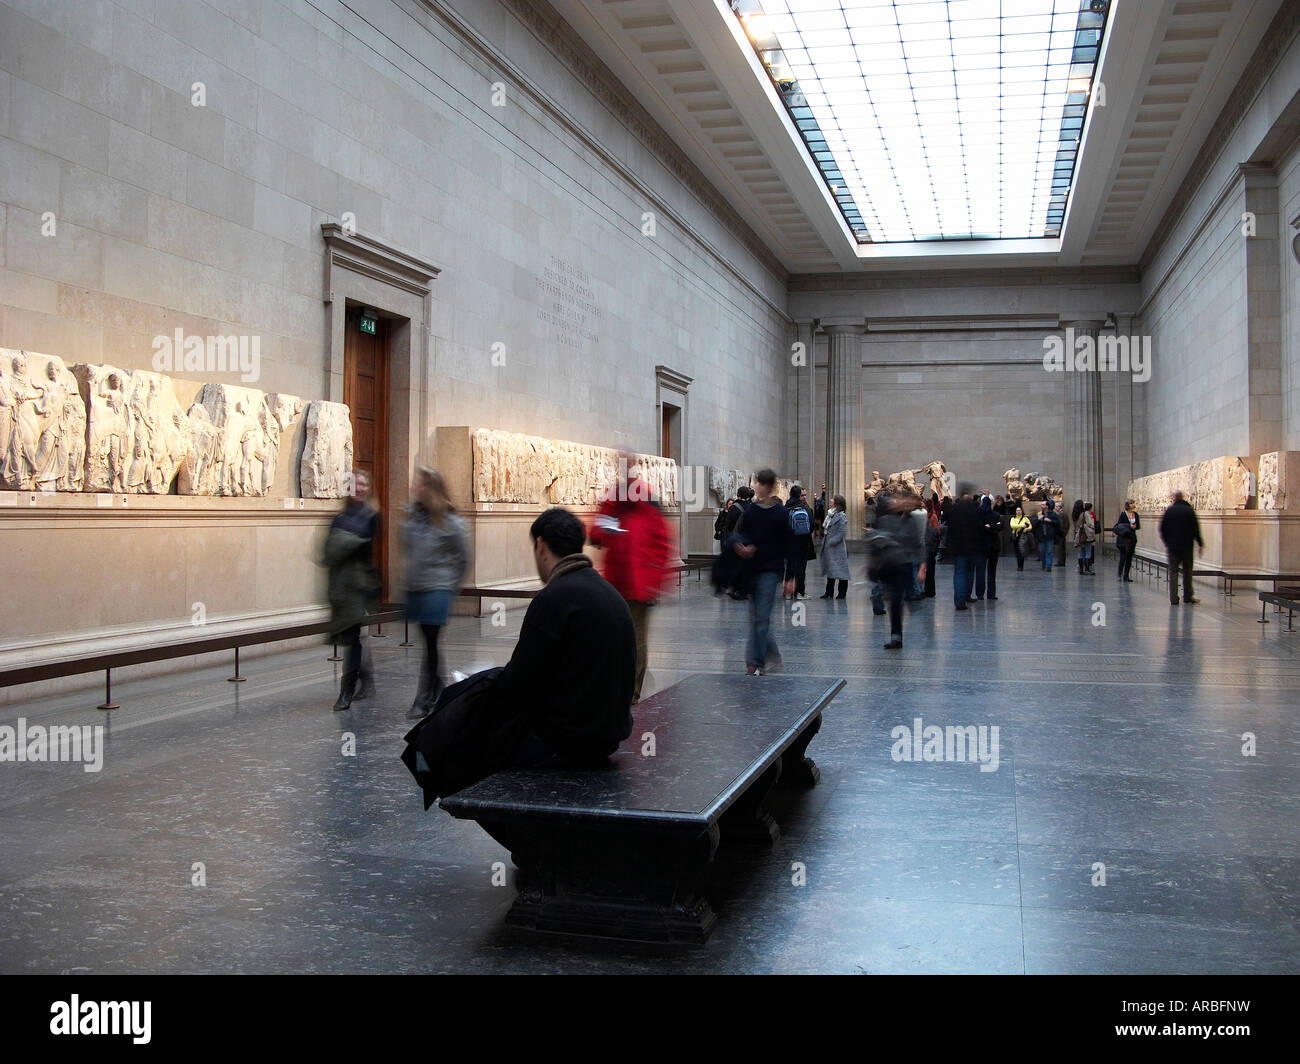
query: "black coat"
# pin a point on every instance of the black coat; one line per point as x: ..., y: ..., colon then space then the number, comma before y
x: 1126, y: 531
x: 965, y: 528
x: 470, y: 734
x: 1179, y: 527
x: 574, y: 667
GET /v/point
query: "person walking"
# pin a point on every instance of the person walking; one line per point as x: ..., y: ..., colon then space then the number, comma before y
x: 437, y: 558
x: 898, y: 549
x: 835, y: 551
x: 354, y: 586
x: 801, y: 527
x: 1020, y: 528
x: 1085, y: 536
x: 1126, y: 539
x: 1179, y: 529
x: 638, y: 549
x: 769, y: 546
x: 1049, y: 531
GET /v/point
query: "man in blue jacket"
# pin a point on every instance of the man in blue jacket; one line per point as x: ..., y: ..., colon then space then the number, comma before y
x: 769, y: 545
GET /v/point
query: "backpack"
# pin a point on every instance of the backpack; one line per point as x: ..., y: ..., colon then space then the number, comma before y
x: 800, y: 523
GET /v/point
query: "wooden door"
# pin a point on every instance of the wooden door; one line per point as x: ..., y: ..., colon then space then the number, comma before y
x: 365, y: 390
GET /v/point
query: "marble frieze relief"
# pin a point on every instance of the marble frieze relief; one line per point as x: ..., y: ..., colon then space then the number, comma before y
x: 100, y: 428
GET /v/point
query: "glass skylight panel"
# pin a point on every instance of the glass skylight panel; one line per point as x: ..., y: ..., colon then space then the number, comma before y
x: 936, y: 119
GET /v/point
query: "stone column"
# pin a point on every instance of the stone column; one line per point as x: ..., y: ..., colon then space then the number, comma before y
x: 801, y: 398
x: 844, y: 457
x: 1084, y: 460
x: 1264, y: 309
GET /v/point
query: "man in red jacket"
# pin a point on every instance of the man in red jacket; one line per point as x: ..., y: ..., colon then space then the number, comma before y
x: 638, y: 550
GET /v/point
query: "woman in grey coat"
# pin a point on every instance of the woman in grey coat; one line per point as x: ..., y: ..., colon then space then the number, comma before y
x: 437, y: 558
x: 835, y: 552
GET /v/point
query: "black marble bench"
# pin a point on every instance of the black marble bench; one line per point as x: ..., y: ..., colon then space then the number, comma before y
x: 621, y: 851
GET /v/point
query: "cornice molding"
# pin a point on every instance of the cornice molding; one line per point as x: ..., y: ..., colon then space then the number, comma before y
x: 375, y: 259
x: 563, y: 42
x: 1278, y: 38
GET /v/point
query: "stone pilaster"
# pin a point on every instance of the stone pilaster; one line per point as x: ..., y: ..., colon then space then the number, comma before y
x: 1084, y: 457
x: 844, y: 457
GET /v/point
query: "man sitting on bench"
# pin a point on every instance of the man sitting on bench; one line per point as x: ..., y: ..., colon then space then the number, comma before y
x: 574, y: 668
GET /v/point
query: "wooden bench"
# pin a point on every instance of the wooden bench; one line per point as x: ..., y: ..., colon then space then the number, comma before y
x: 176, y: 648
x: 622, y: 851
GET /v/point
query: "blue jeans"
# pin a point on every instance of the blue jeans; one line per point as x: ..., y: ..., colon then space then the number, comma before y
x: 762, y: 595
x: 878, y: 596
x: 1049, y: 554
x: 963, y: 572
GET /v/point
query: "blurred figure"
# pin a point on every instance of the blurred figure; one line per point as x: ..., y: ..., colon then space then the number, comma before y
x: 896, y: 550
x: 835, y: 551
x: 1126, y: 540
x: 1179, y: 529
x: 437, y: 558
x: 766, y: 542
x: 933, y: 534
x: 638, y: 550
x: 801, y: 527
x: 819, y: 514
x: 354, y: 586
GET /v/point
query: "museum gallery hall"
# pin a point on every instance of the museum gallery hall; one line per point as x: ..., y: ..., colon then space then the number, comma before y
x: 337, y: 338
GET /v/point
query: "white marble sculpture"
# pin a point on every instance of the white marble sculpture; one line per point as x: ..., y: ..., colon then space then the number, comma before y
x: 110, y: 437
x: 42, y: 424
x: 515, y: 468
x: 234, y: 440
x: 327, y: 453
x: 724, y: 483
x: 873, y: 489
x: 1222, y: 483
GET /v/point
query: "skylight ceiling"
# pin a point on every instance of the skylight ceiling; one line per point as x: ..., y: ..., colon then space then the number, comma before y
x: 946, y: 120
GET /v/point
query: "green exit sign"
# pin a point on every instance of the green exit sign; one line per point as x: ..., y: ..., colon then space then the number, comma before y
x: 368, y: 326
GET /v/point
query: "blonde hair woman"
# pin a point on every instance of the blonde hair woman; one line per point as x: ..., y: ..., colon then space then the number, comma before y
x: 437, y: 558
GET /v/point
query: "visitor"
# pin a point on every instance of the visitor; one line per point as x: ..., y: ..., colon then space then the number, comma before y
x: 1020, y: 529
x: 573, y: 671
x: 986, y: 564
x: 1048, y: 532
x: 638, y: 552
x: 965, y: 544
x: 801, y: 527
x: 437, y: 558
x: 354, y: 586
x: 897, y: 549
x: 819, y: 514
x: 1179, y: 529
x: 1126, y: 530
x: 933, y: 535
x: 835, y: 551
x: 720, y: 522
x: 769, y: 546
x: 1085, y: 537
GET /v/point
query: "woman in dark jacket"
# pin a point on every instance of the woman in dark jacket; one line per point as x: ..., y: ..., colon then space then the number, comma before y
x: 986, y: 568
x: 1126, y: 540
x: 354, y: 586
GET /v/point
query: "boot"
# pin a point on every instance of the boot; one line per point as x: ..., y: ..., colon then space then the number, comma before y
x: 347, y: 687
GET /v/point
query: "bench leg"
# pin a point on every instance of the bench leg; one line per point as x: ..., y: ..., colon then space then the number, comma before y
x: 1263, y: 608
x: 609, y: 881
x: 749, y: 819
x: 334, y: 652
x: 108, y: 702
x: 236, y: 678
x: 800, y: 770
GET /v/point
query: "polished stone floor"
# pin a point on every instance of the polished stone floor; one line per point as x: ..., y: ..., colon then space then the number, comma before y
x: 1120, y: 744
